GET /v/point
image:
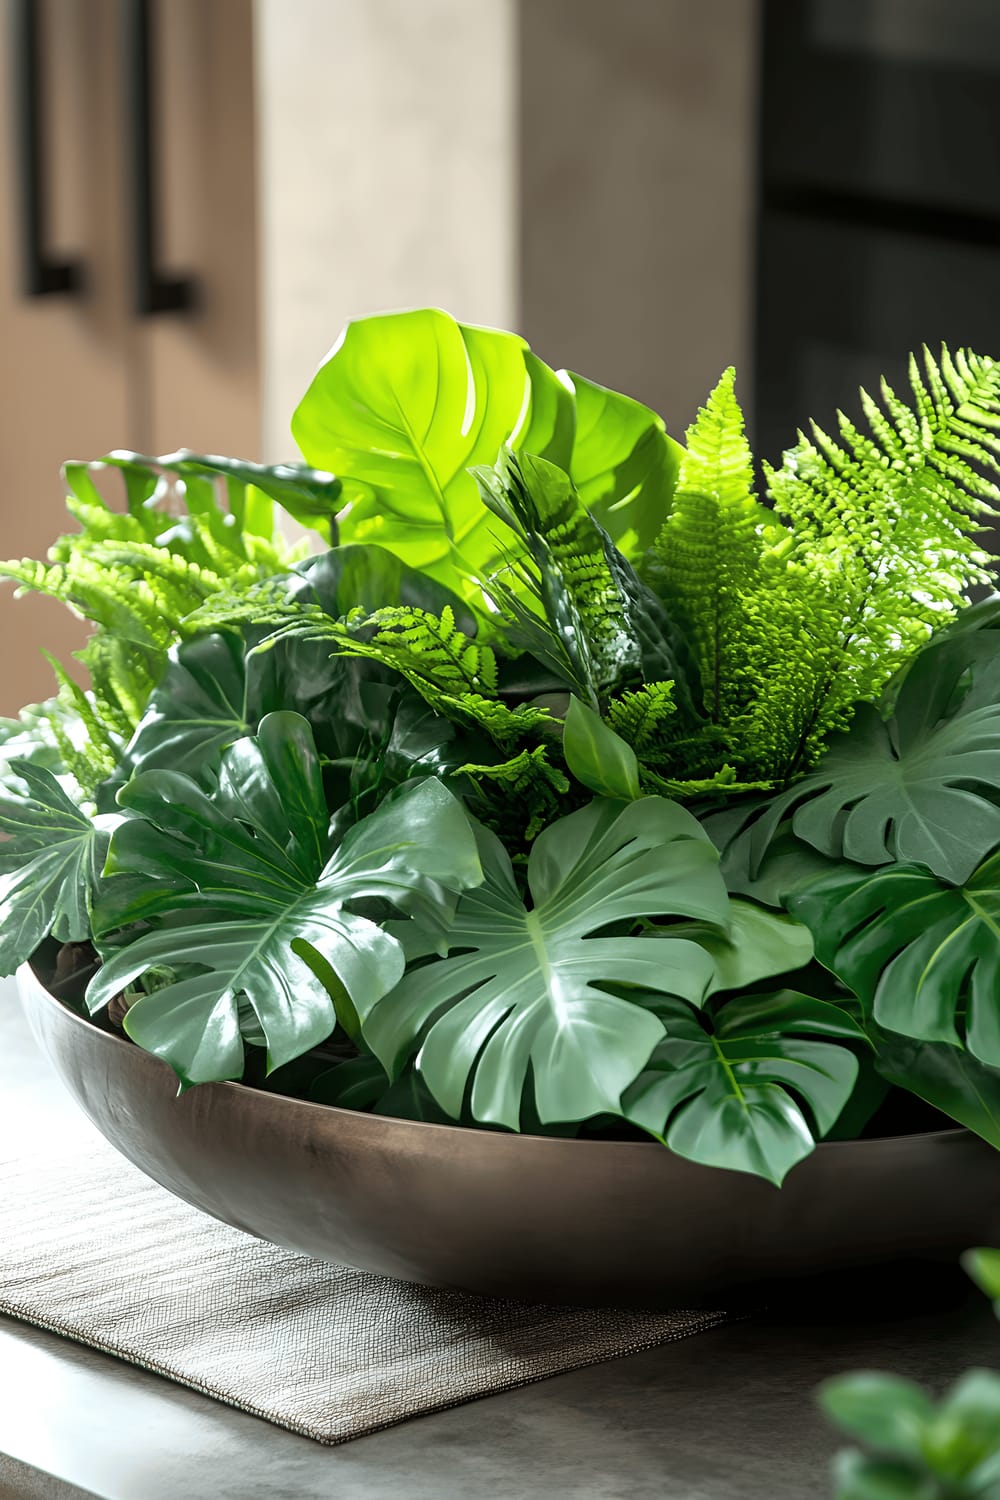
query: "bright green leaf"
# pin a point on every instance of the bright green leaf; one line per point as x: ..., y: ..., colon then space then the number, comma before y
x: 984, y: 1268
x: 597, y: 757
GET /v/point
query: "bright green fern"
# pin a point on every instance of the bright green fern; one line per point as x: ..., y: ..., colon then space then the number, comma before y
x: 707, y: 556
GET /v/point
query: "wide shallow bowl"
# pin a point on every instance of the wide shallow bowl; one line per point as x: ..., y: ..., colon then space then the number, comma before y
x: 510, y: 1215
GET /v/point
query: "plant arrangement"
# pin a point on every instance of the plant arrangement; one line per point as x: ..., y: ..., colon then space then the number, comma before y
x: 563, y: 784
x: 920, y: 1449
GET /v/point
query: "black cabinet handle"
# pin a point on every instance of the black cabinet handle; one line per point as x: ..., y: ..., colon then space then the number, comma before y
x: 154, y: 290
x: 43, y: 275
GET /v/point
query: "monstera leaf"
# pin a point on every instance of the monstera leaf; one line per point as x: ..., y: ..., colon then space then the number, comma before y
x: 623, y: 464
x: 523, y: 988
x: 755, y: 944
x: 259, y: 904
x: 407, y: 403
x: 918, y: 953
x: 945, y: 1077
x: 727, y: 1095
x: 922, y: 787
x: 50, y: 865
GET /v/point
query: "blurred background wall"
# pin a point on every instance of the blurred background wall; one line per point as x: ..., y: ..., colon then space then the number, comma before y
x: 196, y: 194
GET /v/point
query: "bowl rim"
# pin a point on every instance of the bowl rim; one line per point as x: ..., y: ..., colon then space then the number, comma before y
x: 28, y: 980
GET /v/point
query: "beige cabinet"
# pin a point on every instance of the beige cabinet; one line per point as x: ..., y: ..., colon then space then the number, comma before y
x: 82, y: 372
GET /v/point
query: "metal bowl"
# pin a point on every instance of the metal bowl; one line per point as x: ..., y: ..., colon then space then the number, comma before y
x: 529, y: 1217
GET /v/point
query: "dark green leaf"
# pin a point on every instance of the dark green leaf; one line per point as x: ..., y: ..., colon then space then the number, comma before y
x: 50, y: 866
x: 725, y: 1096
x: 918, y: 953
x: 251, y: 871
x: 597, y: 757
x: 947, y: 1078
x: 522, y: 987
x: 311, y: 496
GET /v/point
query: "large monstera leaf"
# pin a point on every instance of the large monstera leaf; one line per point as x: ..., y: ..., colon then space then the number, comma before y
x: 923, y: 787
x: 407, y: 403
x: 923, y: 957
x: 523, y: 990
x: 50, y: 864
x: 728, y: 1094
x: 259, y: 906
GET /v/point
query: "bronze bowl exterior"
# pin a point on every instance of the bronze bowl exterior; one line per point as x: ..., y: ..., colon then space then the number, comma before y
x: 529, y: 1217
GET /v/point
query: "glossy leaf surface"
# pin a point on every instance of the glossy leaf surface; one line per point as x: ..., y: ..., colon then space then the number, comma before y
x: 727, y: 1093
x: 407, y: 403
x: 259, y: 904
x: 522, y: 987
x: 50, y: 865
x: 924, y: 957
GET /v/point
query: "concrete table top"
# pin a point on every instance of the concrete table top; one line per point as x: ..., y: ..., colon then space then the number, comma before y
x: 727, y: 1415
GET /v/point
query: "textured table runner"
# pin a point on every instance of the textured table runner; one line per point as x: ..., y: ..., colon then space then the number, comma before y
x: 90, y: 1248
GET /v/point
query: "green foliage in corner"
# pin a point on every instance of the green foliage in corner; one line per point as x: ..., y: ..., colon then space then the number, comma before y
x: 190, y: 528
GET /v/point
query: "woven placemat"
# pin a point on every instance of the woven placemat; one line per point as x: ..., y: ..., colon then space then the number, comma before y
x: 93, y: 1250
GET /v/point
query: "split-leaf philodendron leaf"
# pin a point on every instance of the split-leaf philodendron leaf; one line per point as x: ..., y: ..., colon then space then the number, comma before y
x: 50, y: 865
x: 260, y: 903
x: 523, y: 988
x: 921, y: 788
x: 406, y: 404
x: 924, y: 957
x: 727, y: 1094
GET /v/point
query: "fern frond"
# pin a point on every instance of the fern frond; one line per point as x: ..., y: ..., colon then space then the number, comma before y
x: 706, y: 556
x: 576, y: 617
x: 644, y: 718
x: 884, y: 548
x: 520, y: 794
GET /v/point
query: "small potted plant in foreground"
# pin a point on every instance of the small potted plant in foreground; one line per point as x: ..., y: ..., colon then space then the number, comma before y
x: 570, y: 789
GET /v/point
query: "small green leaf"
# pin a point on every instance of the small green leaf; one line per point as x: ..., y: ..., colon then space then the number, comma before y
x: 858, y: 1477
x: 984, y: 1268
x: 597, y: 757
x: 884, y: 1411
x: 964, y: 1432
